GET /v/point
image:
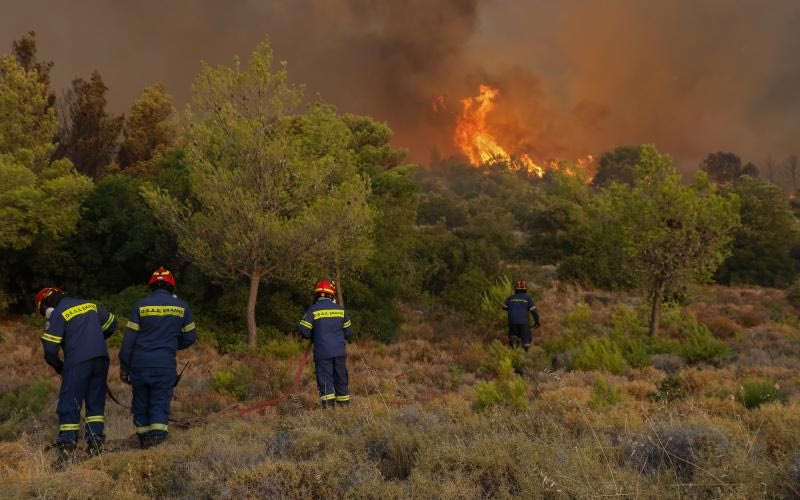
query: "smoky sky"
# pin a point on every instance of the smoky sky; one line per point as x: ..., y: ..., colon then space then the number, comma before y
x: 575, y: 76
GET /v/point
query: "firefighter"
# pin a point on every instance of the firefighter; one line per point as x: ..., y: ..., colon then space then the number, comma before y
x: 519, y: 306
x: 328, y: 327
x: 159, y: 325
x: 80, y: 328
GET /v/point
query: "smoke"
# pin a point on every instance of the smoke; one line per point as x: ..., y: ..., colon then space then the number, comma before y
x: 575, y: 76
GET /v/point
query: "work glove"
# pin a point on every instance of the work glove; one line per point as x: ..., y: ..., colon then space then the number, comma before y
x: 59, y: 368
x: 125, y: 377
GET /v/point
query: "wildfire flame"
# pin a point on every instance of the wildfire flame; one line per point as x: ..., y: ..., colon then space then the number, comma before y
x: 473, y: 137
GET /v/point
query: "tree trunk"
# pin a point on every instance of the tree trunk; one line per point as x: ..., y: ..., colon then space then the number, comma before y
x: 252, y: 332
x: 655, y: 311
x: 339, y: 292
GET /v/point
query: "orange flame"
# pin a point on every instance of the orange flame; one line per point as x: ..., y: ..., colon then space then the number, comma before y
x: 473, y: 137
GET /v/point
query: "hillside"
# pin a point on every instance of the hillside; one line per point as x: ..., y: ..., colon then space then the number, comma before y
x: 442, y: 412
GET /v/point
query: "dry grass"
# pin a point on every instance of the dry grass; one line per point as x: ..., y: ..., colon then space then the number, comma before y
x: 412, y: 431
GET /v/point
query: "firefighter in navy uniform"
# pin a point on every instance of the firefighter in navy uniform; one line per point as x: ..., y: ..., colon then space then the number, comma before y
x: 159, y: 325
x: 519, y: 306
x: 80, y: 328
x: 328, y: 327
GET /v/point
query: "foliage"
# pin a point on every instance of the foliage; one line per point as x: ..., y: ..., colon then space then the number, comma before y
x: 26, y: 53
x: 275, y: 194
x: 619, y: 165
x: 578, y: 324
x: 657, y: 234
x: 508, y: 389
x: 235, y: 381
x: 603, y: 393
x: 30, y: 184
x: 285, y: 348
x: 629, y: 333
x: 699, y: 345
x: 762, y: 244
x: 726, y: 167
x: 497, y: 354
x: 555, y: 211
x: 89, y: 135
x: 491, y: 300
x: 598, y: 354
x: 670, y: 389
x: 755, y: 392
x: 148, y: 129
x: 26, y: 400
x: 117, y: 237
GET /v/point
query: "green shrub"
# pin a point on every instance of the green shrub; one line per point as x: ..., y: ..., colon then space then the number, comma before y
x: 699, y: 345
x: 490, y: 312
x: 17, y: 405
x: 671, y: 388
x: 755, y: 392
x: 577, y: 326
x: 285, y: 348
x: 635, y: 352
x: 598, y: 354
x: 235, y: 381
x: 509, y: 389
x: 497, y: 354
x: 26, y: 400
x: 579, y: 323
x: 626, y: 321
x: 603, y: 393
x: 121, y: 303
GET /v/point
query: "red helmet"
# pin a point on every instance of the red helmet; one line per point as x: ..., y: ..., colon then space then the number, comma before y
x: 43, y: 294
x: 161, y: 275
x: 521, y: 285
x: 325, y: 287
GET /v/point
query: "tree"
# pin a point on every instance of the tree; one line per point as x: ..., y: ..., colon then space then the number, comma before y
x: 273, y: 190
x: 37, y: 197
x: 89, y: 135
x: 724, y: 168
x: 148, y: 128
x: 25, y: 51
x: 763, y: 242
x: 618, y: 166
x: 663, y: 232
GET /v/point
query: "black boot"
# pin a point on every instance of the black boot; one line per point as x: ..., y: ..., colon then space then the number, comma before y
x: 65, y: 453
x: 156, y: 440
x: 143, y: 441
x: 94, y: 447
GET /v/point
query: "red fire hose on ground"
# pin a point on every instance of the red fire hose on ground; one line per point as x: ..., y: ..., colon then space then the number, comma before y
x: 298, y: 375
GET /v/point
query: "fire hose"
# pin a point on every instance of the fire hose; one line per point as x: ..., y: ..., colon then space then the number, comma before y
x: 298, y: 375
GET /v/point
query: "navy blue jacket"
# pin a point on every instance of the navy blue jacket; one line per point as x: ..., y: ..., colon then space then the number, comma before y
x: 78, y: 327
x: 519, y: 305
x: 159, y: 325
x: 328, y: 326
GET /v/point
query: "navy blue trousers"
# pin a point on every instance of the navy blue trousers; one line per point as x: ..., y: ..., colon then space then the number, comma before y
x: 84, y: 383
x: 332, y: 379
x: 519, y: 333
x: 152, y: 395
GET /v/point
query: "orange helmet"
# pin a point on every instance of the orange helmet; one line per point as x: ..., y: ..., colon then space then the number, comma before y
x: 520, y: 285
x: 325, y: 287
x: 161, y: 275
x: 43, y: 294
